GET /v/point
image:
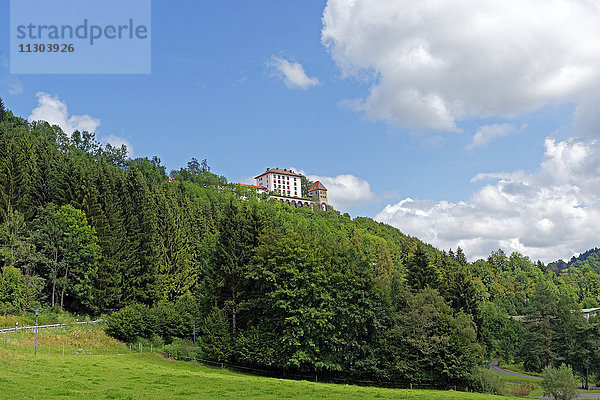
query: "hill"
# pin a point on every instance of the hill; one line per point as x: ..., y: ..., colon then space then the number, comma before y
x: 186, y: 256
x: 590, y: 257
x: 151, y: 377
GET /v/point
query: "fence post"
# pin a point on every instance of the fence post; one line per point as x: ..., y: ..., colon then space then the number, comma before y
x: 63, y: 349
x: 150, y: 348
x: 19, y: 344
x: 4, y: 342
x: 90, y: 349
x: 77, y: 349
x: 130, y: 348
x: 117, y: 349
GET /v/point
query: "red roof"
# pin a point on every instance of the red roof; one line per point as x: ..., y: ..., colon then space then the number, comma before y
x: 279, y: 171
x: 317, y: 186
x: 252, y: 186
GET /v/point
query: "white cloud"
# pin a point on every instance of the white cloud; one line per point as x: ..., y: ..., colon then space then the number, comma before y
x: 15, y: 87
x: 55, y: 112
x: 344, y: 190
x: 292, y: 73
x: 117, y: 141
x: 548, y: 215
x: 433, y: 63
x: 487, y: 133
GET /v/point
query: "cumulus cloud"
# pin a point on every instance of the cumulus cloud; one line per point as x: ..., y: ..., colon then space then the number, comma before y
x: 51, y: 109
x: 345, y: 190
x: 547, y: 215
x: 117, y: 141
x: 487, y: 133
x: 292, y: 73
x: 432, y: 64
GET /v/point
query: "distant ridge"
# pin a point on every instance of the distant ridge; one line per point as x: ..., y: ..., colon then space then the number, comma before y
x: 590, y: 257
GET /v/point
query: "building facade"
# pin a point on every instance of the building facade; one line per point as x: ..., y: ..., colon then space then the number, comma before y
x: 281, y: 181
x: 286, y: 186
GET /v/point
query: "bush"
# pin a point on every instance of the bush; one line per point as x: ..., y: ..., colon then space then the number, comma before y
x: 131, y: 322
x: 485, y: 381
x: 559, y: 383
x: 167, y: 321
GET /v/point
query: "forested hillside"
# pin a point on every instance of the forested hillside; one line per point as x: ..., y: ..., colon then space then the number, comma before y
x: 84, y: 228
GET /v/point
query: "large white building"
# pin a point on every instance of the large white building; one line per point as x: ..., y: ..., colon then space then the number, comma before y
x: 281, y: 181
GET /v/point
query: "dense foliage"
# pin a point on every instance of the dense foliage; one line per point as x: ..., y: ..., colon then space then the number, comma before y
x: 259, y: 283
x: 559, y: 383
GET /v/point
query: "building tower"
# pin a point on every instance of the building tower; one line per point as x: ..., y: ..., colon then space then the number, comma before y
x: 318, y: 193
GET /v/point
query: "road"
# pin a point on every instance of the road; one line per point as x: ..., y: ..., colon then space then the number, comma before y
x: 494, y: 367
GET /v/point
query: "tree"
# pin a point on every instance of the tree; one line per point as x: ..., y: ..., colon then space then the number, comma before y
x: 215, y: 339
x: 70, y: 251
x: 2, y: 110
x: 305, y: 184
x: 430, y: 344
x: 421, y: 273
x: 537, y: 350
x: 585, y: 355
x: 559, y: 383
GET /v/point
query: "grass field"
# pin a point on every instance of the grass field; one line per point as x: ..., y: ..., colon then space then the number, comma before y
x: 149, y: 376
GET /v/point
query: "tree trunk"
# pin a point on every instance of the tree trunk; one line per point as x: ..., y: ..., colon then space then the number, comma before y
x: 54, y: 275
x: 233, y: 318
x: 62, y: 293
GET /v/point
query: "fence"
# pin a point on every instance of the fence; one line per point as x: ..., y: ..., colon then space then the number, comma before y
x: 318, y: 378
x: 17, y: 328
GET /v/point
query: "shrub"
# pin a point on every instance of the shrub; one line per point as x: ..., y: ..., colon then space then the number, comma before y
x: 131, y: 322
x: 485, y: 381
x: 167, y: 321
x: 559, y: 383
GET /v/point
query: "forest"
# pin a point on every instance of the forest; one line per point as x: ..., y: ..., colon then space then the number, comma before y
x: 85, y: 229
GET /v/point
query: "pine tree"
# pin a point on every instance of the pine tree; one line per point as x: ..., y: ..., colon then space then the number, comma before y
x: 421, y: 273
x: 2, y: 110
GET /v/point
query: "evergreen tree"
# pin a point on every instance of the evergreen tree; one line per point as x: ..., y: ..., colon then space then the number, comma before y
x: 537, y: 350
x: 2, y: 110
x: 421, y: 273
x: 216, y: 340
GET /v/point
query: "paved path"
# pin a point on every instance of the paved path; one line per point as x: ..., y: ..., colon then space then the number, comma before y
x: 494, y: 367
x: 580, y: 396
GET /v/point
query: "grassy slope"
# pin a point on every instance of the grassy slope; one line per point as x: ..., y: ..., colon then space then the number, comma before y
x: 150, y: 377
x: 99, y: 376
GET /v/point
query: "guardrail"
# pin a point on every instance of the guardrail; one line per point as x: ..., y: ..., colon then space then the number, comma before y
x: 18, y: 328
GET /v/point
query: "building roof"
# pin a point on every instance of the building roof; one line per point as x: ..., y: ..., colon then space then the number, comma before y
x: 317, y: 186
x: 252, y: 186
x: 279, y: 171
x: 589, y: 310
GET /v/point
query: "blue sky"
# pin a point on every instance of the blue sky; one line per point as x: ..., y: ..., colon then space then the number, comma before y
x: 218, y: 91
